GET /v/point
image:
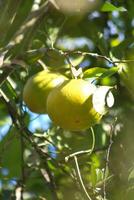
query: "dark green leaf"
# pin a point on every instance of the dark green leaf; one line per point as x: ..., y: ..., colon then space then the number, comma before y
x: 21, y: 13
x: 109, y: 72
x: 10, y: 151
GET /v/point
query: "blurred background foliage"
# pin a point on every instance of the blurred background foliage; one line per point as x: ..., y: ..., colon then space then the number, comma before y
x: 34, y: 34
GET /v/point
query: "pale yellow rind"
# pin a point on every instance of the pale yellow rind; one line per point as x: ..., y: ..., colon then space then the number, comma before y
x: 70, y: 105
x: 37, y: 88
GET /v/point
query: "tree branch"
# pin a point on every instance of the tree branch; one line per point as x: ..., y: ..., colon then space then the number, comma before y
x: 18, y: 123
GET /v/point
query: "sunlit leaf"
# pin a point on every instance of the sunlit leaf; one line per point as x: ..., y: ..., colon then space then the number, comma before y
x: 77, y: 60
x: 107, y: 7
x: 131, y: 175
x: 93, y: 176
x: 94, y: 72
x: 109, y: 72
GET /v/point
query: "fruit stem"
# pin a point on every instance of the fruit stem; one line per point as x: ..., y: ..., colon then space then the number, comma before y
x: 89, y: 151
x: 80, y: 178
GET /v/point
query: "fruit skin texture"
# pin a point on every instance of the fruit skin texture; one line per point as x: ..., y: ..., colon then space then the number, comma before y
x: 37, y: 88
x: 77, y: 6
x: 70, y: 105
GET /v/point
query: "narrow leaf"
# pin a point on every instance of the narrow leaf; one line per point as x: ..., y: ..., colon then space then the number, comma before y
x: 94, y: 72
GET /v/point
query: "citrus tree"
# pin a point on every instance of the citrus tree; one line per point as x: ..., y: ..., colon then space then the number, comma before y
x: 66, y: 100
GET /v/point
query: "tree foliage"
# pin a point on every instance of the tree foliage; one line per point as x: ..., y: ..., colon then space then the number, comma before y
x: 39, y: 160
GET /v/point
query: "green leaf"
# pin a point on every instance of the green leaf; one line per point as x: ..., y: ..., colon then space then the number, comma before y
x: 99, y: 174
x: 131, y: 175
x: 7, y: 12
x: 54, y: 59
x: 21, y: 13
x: 4, y: 120
x: 93, y: 176
x: 77, y: 60
x: 110, y: 72
x: 102, y: 44
x: 108, y: 7
x: 98, y: 72
x: 94, y: 72
x: 10, y: 151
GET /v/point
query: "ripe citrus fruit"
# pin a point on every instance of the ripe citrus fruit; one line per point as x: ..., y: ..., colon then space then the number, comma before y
x: 70, y: 105
x: 37, y: 88
x: 77, y: 6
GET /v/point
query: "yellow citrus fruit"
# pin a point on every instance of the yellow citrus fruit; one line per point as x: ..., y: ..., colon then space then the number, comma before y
x: 70, y: 105
x: 77, y: 6
x: 37, y: 88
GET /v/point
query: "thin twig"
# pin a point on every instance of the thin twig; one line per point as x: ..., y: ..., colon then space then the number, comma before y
x: 74, y: 155
x: 18, y: 123
x: 89, y: 151
x: 123, y: 61
x: 93, y: 55
x: 52, y: 184
x: 22, y: 166
x: 27, y: 134
x: 65, y: 53
x: 72, y: 68
x: 107, y: 159
x: 80, y: 178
